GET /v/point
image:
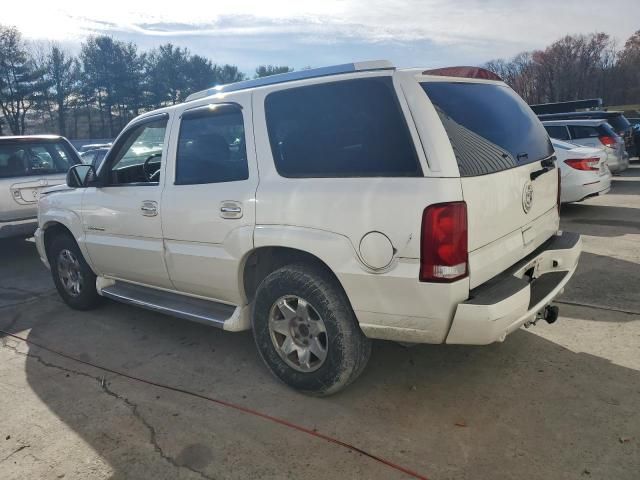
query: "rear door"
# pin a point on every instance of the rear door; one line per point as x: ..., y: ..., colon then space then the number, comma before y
x: 508, y: 177
x: 208, y: 205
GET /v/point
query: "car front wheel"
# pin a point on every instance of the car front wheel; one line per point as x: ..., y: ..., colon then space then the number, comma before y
x: 74, y: 279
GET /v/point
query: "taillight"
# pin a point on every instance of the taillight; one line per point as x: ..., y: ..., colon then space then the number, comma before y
x: 583, y: 163
x: 608, y: 141
x: 443, y: 246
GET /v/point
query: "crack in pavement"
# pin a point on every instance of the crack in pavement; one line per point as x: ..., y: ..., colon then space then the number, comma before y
x: 30, y: 299
x: 16, y: 317
x: 19, y: 449
x: 152, y: 431
x: 105, y: 389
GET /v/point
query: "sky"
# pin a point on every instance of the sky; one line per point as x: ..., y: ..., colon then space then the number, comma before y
x: 299, y: 33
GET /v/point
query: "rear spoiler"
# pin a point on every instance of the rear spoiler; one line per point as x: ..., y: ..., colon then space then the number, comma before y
x: 464, y: 72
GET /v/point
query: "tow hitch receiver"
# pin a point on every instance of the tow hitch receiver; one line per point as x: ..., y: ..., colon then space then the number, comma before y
x: 549, y: 315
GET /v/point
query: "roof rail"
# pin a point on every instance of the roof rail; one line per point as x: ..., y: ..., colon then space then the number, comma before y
x: 464, y: 72
x: 296, y: 75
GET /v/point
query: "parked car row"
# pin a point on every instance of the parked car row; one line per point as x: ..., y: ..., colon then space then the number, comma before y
x: 592, y: 133
x: 610, y: 131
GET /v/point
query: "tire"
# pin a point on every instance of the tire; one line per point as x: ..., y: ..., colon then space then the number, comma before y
x: 64, y: 251
x: 331, y: 324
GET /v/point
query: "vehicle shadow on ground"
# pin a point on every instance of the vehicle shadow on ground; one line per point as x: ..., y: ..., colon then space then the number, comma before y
x: 611, y: 290
x: 18, y: 262
x: 599, y: 220
x: 625, y: 186
x: 527, y: 408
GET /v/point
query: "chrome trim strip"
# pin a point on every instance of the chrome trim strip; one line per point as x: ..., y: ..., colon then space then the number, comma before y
x: 162, y: 309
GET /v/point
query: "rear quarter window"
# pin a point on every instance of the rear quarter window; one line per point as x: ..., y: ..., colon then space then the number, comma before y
x: 352, y: 128
x: 490, y: 127
x: 581, y: 131
x: 557, y: 131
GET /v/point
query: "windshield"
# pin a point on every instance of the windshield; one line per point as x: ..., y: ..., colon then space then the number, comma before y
x: 22, y: 159
x: 490, y: 127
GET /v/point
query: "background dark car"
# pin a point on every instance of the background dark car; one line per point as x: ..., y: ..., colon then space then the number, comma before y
x: 94, y: 157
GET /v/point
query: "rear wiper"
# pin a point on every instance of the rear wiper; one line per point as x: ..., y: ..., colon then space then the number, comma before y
x: 548, y: 164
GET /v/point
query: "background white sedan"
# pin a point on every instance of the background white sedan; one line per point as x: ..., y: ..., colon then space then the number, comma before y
x: 583, y: 171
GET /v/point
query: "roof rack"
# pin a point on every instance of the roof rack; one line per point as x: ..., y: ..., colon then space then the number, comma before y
x: 464, y: 72
x: 291, y: 76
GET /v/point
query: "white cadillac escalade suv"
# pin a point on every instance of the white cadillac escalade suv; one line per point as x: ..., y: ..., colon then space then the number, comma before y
x: 321, y: 209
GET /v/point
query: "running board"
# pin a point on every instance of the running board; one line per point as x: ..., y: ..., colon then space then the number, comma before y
x: 176, y: 305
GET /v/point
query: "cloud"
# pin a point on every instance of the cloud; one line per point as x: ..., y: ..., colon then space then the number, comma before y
x: 310, y: 32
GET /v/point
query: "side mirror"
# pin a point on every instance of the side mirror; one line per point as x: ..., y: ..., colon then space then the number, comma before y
x: 81, y: 176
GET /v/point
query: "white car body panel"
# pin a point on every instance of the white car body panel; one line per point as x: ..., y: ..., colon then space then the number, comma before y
x: 188, y: 248
x: 578, y: 184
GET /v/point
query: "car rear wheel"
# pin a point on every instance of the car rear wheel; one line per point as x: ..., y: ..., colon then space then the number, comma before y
x: 306, y: 331
x: 74, y: 279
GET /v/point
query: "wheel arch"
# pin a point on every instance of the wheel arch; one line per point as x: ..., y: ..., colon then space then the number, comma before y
x: 261, y: 261
x: 277, y: 246
x: 50, y: 230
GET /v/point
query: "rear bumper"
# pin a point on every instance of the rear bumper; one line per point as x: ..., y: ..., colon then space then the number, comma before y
x: 508, y: 301
x: 585, y: 187
x: 18, y: 228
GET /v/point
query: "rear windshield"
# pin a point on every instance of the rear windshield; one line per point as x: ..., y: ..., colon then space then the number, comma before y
x: 585, y: 131
x: 490, y: 127
x: 619, y: 123
x: 23, y: 159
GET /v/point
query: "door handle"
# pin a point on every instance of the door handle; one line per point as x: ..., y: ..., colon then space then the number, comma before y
x: 149, y: 208
x: 230, y: 209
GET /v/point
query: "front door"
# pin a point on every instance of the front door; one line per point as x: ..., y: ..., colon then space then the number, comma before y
x: 121, y: 218
x: 208, y: 204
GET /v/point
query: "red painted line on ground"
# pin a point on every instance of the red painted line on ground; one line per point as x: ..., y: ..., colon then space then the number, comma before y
x: 249, y: 411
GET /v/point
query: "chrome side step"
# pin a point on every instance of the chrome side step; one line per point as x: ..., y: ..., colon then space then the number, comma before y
x: 181, y: 306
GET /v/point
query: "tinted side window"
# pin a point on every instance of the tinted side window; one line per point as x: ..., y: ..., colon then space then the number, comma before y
x: 557, y: 131
x: 579, y: 131
x: 351, y: 128
x: 490, y: 127
x: 34, y: 159
x: 211, y: 147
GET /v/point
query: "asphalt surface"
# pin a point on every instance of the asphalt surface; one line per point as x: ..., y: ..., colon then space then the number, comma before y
x: 553, y: 402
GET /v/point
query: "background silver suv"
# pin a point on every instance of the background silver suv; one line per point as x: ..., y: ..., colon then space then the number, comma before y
x: 592, y: 133
x: 28, y: 164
